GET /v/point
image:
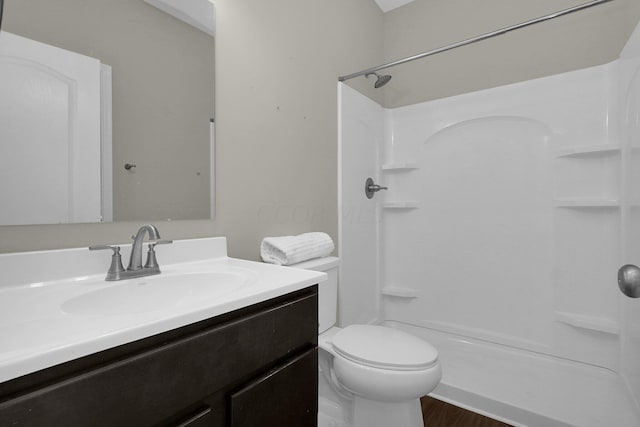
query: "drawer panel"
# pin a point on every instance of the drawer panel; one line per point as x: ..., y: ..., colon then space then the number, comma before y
x: 201, y: 418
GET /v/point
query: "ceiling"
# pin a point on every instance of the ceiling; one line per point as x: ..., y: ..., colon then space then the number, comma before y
x: 197, y: 13
x: 387, y: 5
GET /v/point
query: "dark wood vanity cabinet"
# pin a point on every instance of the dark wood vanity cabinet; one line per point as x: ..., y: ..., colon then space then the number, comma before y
x: 253, y: 367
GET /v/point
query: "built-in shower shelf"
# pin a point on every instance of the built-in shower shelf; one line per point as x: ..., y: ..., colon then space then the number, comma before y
x: 399, y: 292
x: 580, y: 203
x: 592, y: 323
x: 399, y: 166
x: 586, y: 150
x: 401, y: 205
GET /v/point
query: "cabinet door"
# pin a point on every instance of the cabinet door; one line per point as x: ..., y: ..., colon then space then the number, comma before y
x: 285, y: 396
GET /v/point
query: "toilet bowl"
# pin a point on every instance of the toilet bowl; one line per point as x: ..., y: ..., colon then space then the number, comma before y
x: 376, y: 373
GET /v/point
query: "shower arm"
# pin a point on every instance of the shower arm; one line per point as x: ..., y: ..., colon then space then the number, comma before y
x: 474, y: 39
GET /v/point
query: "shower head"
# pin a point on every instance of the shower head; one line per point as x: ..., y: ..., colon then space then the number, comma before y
x: 381, y: 79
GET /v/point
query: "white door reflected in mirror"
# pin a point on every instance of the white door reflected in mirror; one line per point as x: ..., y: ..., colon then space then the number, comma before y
x: 50, y: 134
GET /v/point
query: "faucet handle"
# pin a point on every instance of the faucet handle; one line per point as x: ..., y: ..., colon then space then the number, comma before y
x: 116, y: 261
x: 115, y: 249
x: 152, y: 262
x: 159, y: 242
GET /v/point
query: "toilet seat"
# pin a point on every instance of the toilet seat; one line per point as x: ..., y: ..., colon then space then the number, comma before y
x: 384, y: 348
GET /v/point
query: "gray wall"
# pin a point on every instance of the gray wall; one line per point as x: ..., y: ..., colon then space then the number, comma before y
x: 276, y: 107
x: 277, y: 65
x: 587, y: 38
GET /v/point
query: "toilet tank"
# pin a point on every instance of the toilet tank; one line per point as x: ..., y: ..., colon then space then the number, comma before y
x: 327, y: 291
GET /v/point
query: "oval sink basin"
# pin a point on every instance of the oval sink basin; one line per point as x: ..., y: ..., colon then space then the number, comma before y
x: 153, y: 293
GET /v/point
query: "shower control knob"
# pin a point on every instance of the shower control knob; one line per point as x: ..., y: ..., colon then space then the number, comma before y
x: 370, y: 188
x: 629, y: 280
x: 375, y: 188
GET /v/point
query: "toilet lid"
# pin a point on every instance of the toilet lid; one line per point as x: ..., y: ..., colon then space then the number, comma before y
x: 382, y: 347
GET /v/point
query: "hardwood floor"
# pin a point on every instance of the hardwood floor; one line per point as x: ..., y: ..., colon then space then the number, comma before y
x: 440, y: 414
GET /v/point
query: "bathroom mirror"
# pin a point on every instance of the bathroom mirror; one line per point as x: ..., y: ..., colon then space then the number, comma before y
x: 156, y: 96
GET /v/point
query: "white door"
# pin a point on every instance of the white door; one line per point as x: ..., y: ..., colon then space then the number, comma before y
x: 49, y: 134
x: 630, y: 280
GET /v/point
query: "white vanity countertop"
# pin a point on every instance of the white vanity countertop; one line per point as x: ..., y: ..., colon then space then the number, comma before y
x: 48, y: 316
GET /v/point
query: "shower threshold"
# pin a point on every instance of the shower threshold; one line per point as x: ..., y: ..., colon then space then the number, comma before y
x: 523, y: 388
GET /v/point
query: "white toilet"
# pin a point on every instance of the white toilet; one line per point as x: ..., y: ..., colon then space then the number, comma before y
x: 377, y: 374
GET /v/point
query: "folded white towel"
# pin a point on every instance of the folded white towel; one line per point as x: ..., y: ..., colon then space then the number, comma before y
x: 287, y: 250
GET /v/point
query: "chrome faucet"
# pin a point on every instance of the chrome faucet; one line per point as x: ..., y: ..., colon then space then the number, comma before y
x: 135, y: 268
x: 135, y: 260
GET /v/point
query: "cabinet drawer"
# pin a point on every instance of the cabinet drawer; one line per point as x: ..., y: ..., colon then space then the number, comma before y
x: 285, y: 396
x: 202, y: 418
x: 154, y: 385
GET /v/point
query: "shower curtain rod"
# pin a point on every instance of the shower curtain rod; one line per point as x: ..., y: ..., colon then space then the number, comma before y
x: 475, y: 39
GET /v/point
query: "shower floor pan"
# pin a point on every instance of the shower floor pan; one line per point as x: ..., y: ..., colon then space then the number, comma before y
x: 524, y: 388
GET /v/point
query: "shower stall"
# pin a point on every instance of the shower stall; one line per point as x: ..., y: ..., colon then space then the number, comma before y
x: 507, y: 216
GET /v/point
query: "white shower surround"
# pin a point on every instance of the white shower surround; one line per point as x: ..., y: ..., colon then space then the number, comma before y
x: 504, y: 223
